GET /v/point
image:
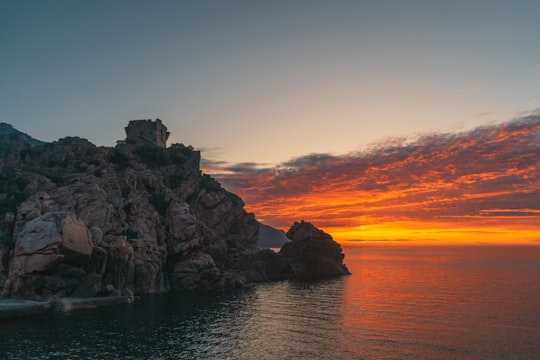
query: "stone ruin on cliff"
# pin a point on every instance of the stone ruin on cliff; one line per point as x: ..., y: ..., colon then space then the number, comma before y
x: 147, y: 131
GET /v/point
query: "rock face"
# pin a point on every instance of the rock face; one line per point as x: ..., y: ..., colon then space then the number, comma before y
x: 312, y: 253
x: 78, y: 220
x: 81, y: 220
x: 51, y: 237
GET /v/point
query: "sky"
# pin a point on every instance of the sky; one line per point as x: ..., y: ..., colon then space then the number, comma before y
x: 261, y: 86
x: 479, y: 186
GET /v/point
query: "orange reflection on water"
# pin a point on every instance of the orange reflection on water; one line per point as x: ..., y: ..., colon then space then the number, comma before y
x: 442, y: 302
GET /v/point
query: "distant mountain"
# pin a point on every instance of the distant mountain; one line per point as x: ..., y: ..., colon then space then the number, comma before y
x: 8, y: 131
x: 270, y: 237
x: 12, y: 143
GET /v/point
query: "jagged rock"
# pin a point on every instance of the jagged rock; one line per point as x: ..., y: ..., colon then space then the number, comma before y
x: 55, y: 232
x: 43, y: 244
x: 137, y: 217
x: 312, y: 253
x: 42, y: 234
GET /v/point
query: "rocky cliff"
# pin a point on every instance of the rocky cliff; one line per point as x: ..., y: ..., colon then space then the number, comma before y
x: 82, y: 220
x: 77, y: 220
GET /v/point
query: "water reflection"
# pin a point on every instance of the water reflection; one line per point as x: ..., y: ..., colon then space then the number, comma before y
x: 267, y: 321
x: 291, y: 320
x: 400, y: 303
x: 444, y: 302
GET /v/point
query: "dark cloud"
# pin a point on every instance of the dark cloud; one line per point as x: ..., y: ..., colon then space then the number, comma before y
x: 309, y: 161
x: 245, y: 168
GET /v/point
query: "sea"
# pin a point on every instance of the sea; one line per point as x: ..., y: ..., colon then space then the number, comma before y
x: 401, y: 302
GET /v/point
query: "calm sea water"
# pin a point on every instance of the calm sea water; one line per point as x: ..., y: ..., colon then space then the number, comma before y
x: 400, y: 303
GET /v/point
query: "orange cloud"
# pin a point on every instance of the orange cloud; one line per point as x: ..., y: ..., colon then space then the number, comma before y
x: 481, y: 184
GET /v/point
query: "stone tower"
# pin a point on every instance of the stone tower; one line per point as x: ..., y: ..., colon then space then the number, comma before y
x: 147, y: 132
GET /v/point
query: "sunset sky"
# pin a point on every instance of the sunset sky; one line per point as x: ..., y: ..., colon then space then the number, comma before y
x: 478, y: 186
x: 376, y: 120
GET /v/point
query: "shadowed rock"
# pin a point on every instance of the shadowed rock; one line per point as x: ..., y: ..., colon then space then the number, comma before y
x: 313, y: 254
x: 77, y: 220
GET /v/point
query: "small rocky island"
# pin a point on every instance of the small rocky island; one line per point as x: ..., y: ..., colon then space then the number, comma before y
x: 82, y: 221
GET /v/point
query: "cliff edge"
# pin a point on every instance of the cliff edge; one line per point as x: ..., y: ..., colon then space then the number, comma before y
x: 78, y: 220
x: 82, y: 220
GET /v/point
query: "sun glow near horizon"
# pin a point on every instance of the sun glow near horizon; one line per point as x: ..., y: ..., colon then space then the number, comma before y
x: 435, y: 234
x: 496, y: 232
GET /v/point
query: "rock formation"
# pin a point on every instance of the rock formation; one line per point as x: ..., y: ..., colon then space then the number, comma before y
x: 312, y: 253
x: 309, y: 255
x: 77, y: 220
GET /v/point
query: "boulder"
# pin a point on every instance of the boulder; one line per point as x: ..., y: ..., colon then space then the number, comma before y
x: 76, y: 240
x: 55, y: 232
x: 42, y: 234
x: 43, y: 244
x: 139, y: 218
x: 313, y: 254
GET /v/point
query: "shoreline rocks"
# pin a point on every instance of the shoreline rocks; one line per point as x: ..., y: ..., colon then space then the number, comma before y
x: 310, y: 255
x: 81, y: 221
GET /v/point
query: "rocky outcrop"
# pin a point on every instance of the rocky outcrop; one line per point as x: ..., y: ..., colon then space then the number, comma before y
x: 44, y: 243
x: 309, y: 255
x: 313, y: 254
x: 78, y: 220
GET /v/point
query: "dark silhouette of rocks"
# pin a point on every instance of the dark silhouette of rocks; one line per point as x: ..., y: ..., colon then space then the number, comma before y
x: 77, y: 220
x: 312, y: 253
x: 136, y: 216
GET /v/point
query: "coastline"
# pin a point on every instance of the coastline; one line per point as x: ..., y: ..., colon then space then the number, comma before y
x: 14, y: 308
